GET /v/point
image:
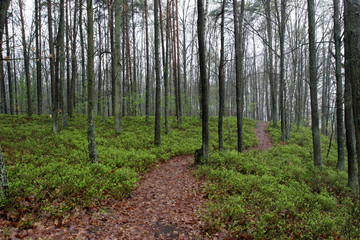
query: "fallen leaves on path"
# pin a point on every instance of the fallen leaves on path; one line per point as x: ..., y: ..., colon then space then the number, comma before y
x: 263, y: 136
x: 164, y: 206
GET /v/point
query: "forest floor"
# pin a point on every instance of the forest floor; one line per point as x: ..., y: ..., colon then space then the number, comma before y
x: 167, y: 204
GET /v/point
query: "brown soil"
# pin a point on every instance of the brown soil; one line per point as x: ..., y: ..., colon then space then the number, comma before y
x: 263, y: 136
x: 165, y: 205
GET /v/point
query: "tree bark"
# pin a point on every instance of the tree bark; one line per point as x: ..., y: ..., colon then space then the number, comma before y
x: 91, y: 84
x: 221, y: 80
x: 73, y: 64
x: 313, y: 85
x: 147, y: 78
x: 4, y: 185
x: 165, y: 64
x: 26, y: 61
x: 99, y: 100
x: 202, y: 155
x: 10, y: 81
x: 52, y: 70
x: 352, y: 64
x: 83, y: 67
x: 117, y: 72
x: 239, y: 55
x: 271, y: 65
x: 157, y: 140
x: 339, y: 89
x: 61, y: 57
x: 349, y: 125
x: 38, y: 54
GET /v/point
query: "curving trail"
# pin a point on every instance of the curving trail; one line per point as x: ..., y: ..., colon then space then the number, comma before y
x: 165, y: 205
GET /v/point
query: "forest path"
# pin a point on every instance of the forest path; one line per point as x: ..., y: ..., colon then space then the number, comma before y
x: 165, y: 205
x: 263, y: 136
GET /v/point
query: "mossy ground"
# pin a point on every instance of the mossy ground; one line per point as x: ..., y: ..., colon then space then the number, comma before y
x: 52, y: 174
x: 273, y: 194
x: 279, y: 194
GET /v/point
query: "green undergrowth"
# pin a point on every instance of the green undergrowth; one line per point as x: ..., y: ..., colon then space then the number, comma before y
x: 279, y: 194
x: 51, y: 173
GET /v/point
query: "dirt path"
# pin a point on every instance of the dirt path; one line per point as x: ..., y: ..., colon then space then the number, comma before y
x: 165, y: 205
x: 263, y: 136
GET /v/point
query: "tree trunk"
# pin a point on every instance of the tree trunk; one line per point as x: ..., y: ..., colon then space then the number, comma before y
x: 271, y: 66
x: 67, y: 99
x: 221, y: 80
x: 282, y: 25
x: 26, y: 61
x: 4, y: 185
x: 352, y: 66
x: 99, y: 100
x: 313, y: 85
x: 134, y: 87
x: 61, y: 57
x: 10, y: 81
x: 178, y: 64
x: 165, y: 64
x: 83, y: 67
x: 73, y: 64
x: 117, y: 72
x: 52, y: 70
x: 339, y: 89
x: 2, y: 80
x: 202, y: 155
x: 147, y: 78
x: 113, y: 63
x: 239, y: 55
x: 38, y: 54
x: 157, y: 140
x: 91, y: 84
x: 349, y: 125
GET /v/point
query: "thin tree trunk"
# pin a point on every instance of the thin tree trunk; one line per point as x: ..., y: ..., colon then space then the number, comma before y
x: 239, y: 54
x: 313, y: 85
x: 2, y: 79
x: 221, y: 80
x: 4, y: 184
x: 352, y: 70
x: 165, y: 64
x: 10, y: 81
x: 61, y: 56
x: 157, y: 140
x: 271, y: 66
x: 38, y: 54
x: 67, y: 99
x: 178, y: 65
x: 147, y: 78
x: 282, y: 25
x: 202, y: 155
x: 83, y: 67
x: 26, y: 61
x: 73, y: 63
x: 113, y: 63
x: 117, y: 72
x: 91, y: 84
x: 99, y: 100
x: 349, y: 125
x: 339, y: 89
x: 134, y: 87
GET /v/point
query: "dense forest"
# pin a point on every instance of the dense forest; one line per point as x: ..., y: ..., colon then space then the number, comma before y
x: 261, y: 96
